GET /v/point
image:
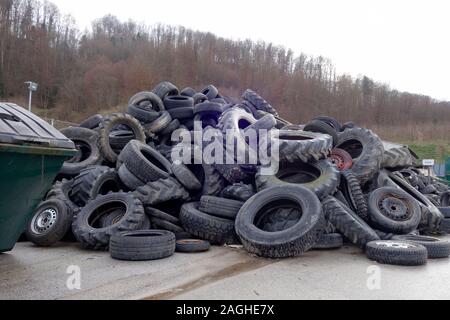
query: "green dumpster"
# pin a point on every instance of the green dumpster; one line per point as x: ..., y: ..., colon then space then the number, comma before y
x: 31, y: 155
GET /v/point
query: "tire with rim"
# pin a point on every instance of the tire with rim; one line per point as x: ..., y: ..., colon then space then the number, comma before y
x: 145, y: 162
x: 320, y: 177
x: 50, y: 223
x: 397, y: 253
x: 437, y: 249
x: 216, y: 230
x: 348, y: 223
x: 87, y: 228
x: 341, y: 159
x: 291, y: 242
x: 85, y: 141
x: 220, y: 207
x: 394, y: 211
x: 366, y: 150
x: 92, y: 182
x: 351, y: 189
x: 144, y: 245
x: 109, y: 124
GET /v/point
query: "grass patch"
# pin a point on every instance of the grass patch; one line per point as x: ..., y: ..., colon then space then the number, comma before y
x: 437, y: 150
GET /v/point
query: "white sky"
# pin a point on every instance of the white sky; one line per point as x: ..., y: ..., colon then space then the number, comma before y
x: 402, y: 43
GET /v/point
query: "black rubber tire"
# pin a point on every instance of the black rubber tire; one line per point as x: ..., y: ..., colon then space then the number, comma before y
x: 397, y: 253
x: 199, y: 98
x: 394, y: 211
x: 165, y: 89
x: 211, y: 92
x: 267, y: 122
x: 109, y: 123
x: 366, y: 160
x: 119, y: 139
x: 155, y: 213
x: 182, y: 113
x: 166, y: 225
x: 348, y: 223
x: 444, y: 227
x: 207, y: 108
x: 321, y: 177
x: 92, y: 182
x: 44, y: 232
x: 291, y: 242
x: 431, y: 216
x: 144, y: 245
x: 177, y: 102
x: 220, y: 101
x: 62, y: 190
x: 129, y: 179
x: 220, y: 207
x: 437, y: 249
x: 171, y: 127
x: 111, y: 218
x: 143, y: 115
x: 216, y: 230
x: 304, y: 146
x: 318, y: 126
x: 445, y: 212
x: 445, y: 199
x: 159, y: 124
x: 212, y: 181
x: 331, y: 122
x: 145, y: 162
x: 96, y: 238
x: 92, y: 122
x: 156, y: 103
x: 429, y: 189
x: 86, y: 143
x: 188, y: 92
x: 351, y: 189
x: 258, y: 102
x: 239, y: 192
x: 235, y: 173
x: 192, y: 246
x: 163, y: 190
x: 397, y: 158
x: 329, y: 241
x: 186, y: 177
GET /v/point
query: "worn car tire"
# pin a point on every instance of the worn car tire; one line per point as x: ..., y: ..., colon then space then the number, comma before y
x: 348, y: 223
x: 397, y: 253
x: 239, y: 192
x: 192, y: 246
x: 144, y: 245
x: 329, y: 241
x: 331, y: 122
x: 366, y: 150
x: 291, y: 242
x: 320, y: 177
x: 165, y: 89
x: 220, y: 207
x: 437, y: 249
x: 177, y: 102
x: 318, y: 126
x: 186, y: 177
x: 156, y: 103
x: 199, y: 98
x: 85, y: 141
x: 188, y: 92
x: 92, y: 122
x: 211, y: 92
x: 109, y: 124
x: 166, y: 225
x: 182, y: 113
x: 159, y: 124
x: 50, y: 223
x: 216, y: 230
x: 155, y: 213
x: 129, y: 179
x: 143, y: 115
x: 91, y: 235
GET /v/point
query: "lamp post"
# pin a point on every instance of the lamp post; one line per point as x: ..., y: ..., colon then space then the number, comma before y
x: 32, y: 87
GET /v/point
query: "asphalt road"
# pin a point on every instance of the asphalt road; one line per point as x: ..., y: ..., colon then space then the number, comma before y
x: 222, y: 273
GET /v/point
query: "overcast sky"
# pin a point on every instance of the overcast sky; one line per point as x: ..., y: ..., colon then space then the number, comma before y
x: 402, y: 43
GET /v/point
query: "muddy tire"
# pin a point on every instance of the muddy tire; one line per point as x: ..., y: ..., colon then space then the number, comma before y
x: 109, y: 124
x: 291, y: 242
x: 397, y: 253
x: 143, y: 245
x: 348, y: 223
x: 85, y: 141
x: 216, y: 230
x: 366, y: 150
x: 86, y: 226
x: 92, y: 182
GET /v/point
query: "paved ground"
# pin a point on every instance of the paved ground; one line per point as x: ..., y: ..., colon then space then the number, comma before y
x: 223, y: 273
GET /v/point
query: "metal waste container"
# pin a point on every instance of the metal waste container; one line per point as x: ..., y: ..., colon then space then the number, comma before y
x: 32, y: 153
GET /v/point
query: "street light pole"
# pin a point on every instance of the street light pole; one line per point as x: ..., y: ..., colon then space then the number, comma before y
x: 31, y: 88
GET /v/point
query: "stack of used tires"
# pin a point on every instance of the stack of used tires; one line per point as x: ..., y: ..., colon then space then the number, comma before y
x: 335, y: 183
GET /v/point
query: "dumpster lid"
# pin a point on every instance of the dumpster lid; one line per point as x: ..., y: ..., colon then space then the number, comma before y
x: 19, y: 126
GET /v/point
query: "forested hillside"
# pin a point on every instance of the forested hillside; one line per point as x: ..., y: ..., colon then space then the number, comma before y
x: 81, y: 73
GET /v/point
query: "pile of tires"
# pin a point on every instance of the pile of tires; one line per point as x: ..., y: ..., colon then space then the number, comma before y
x: 334, y: 183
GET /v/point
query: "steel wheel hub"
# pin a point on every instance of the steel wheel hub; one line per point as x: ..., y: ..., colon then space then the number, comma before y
x: 394, y: 208
x: 44, y: 221
x: 400, y: 245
